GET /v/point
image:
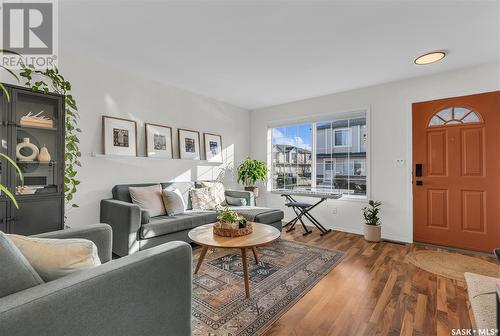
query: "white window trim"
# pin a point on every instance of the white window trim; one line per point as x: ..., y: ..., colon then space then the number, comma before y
x: 313, y: 119
x: 349, y: 137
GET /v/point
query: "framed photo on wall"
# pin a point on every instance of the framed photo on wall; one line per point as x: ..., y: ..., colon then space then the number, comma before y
x: 213, y: 147
x: 189, y: 144
x: 119, y: 136
x: 159, y: 141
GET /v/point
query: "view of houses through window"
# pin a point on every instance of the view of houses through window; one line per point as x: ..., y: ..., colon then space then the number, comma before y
x: 323, y: 156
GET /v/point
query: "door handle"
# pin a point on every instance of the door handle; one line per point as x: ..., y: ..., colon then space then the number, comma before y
x: 418, y: 170
x: 420, y: 183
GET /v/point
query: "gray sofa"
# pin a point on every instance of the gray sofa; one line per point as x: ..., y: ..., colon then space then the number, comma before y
x: 106, y: 300
x: 132, y: 232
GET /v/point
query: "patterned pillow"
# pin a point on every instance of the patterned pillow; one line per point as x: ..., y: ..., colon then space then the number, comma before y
x: 202, y: 198
x: 217, y: 189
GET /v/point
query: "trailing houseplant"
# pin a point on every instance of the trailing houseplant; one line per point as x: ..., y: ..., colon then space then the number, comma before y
x: 9, y: 160
x: 372, y: 228
x: 249, y: 172
x: 50, y: 80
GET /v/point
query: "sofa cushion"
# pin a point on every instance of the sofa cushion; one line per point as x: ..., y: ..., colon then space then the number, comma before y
x: 149, y: 198
x: 16, y: 272
x: 184, y: 188
x: 173, y: 201
x: 56, y: 258
x: 163, y: 225
x: 260, y: 215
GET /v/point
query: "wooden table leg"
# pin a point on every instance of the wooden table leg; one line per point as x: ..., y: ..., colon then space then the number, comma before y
x: 204, y: 250
x: 245, y: 271
x: 255, y: 255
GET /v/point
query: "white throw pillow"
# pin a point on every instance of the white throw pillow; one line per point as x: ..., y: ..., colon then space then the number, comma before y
x: 173, y: 201
x: 202, y: 198
x: 55, y: 258
x: 148, y: 198
x: 217, y: 190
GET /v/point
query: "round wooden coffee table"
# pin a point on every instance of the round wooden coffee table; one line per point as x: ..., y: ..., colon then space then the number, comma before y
x: 262, y: 234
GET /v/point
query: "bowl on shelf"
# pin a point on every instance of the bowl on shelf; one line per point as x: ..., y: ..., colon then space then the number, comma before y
x: 23, y: 190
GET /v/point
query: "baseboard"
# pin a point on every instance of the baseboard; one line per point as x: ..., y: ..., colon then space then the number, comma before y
x: 359, y: 231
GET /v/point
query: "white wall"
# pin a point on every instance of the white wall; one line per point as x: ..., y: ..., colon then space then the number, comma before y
x: 390, y: 139
x: 100, y: 89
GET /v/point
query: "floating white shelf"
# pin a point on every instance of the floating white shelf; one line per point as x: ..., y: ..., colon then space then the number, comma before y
x: 126, y: 157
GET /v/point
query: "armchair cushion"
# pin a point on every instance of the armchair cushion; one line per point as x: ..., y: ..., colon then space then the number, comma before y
x: 55, y: 258
x: 16, y: 272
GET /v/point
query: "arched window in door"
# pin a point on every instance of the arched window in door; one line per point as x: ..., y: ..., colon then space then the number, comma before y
x: 454, y: 116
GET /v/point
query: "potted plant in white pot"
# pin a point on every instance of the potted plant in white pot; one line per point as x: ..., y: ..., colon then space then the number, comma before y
x: 251, y: 171
x: 372, y: 227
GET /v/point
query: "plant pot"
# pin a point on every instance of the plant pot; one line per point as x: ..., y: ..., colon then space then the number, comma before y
x: 373, y: 233
x: 255, y: 191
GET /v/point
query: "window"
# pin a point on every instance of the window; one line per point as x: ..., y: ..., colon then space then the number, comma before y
x: 454, y: 116
x: 342, y: 137
x: 291, y: 157
x: 323, y: 156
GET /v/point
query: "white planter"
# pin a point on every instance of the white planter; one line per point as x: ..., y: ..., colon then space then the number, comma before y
x: 373, y: 233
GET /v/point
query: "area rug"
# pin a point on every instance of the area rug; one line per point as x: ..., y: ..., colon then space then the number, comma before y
x: 286, y: 271
x: 452, y: 265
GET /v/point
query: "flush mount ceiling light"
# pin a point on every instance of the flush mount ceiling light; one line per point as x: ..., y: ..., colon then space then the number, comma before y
x: 430, y: 57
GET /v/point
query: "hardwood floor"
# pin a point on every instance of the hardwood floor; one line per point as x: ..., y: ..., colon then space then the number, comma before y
x: 375, y: 291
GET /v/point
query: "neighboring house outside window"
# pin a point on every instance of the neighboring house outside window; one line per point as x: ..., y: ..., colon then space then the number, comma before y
x: 335, y: 154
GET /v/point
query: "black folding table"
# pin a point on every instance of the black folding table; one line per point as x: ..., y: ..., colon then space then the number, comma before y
x: 304, y: 209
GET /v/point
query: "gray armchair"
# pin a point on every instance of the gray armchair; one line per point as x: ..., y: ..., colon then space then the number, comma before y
x: 148, y: 293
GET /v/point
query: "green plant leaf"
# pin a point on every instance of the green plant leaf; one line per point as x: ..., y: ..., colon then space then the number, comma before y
x: 9, y: 195
x: 12, y: 162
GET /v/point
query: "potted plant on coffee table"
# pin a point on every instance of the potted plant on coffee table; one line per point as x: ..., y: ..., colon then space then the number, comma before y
x: 251, y: 171
x: 372, y: 227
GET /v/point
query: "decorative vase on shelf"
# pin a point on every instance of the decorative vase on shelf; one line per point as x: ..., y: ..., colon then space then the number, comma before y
x: 44, y: 155
x: 26, y: 144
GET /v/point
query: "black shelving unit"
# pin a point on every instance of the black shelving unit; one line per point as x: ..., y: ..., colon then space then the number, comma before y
x: 43, y: 210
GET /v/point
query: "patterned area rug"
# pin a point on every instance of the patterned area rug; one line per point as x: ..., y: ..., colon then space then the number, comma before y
x: 286, y: 271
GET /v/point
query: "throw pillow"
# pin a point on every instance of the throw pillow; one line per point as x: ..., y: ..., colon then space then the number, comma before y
x: 239, y: 201
x: 16, y: 273
x: 55, y: 258
x: 217, y: 189
x: 173, y: 201
x: 148, y: 198
x: 202, y: 198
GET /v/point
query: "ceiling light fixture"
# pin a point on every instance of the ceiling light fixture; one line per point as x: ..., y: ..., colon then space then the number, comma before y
x: 430, y: 57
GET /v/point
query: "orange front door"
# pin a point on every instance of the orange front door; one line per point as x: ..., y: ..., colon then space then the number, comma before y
x: 456, y: 172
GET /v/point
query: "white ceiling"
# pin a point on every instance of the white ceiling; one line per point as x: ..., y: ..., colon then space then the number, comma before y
x: 261, y: 53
